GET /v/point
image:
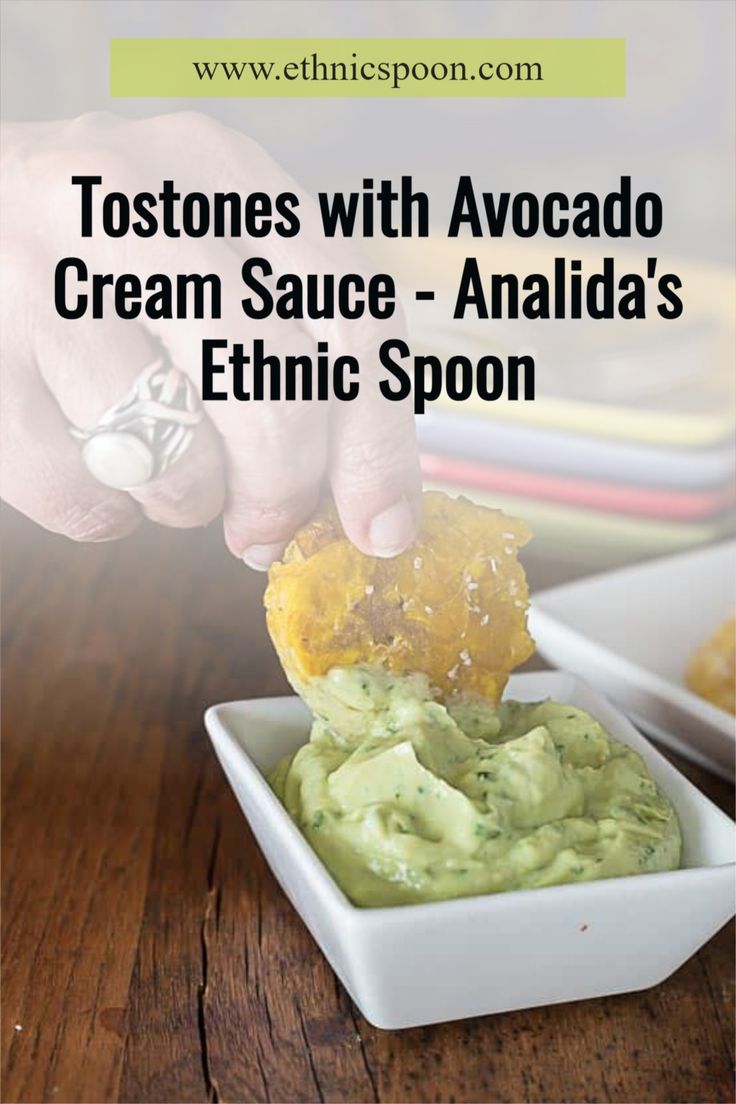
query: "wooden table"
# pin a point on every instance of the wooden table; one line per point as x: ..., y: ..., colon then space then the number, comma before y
x: 149, y: 954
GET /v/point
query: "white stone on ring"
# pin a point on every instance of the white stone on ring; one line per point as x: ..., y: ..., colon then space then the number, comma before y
x: 141, y: 436
x: 119, y: 460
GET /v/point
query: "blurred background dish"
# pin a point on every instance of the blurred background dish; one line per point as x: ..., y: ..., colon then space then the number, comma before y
x: 628, y: 450
x: 632, y: 633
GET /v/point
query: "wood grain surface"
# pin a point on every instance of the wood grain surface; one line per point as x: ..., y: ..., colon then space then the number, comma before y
x: 148, y: 954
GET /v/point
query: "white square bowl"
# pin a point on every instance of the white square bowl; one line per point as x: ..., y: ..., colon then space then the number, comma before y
x: 631, y: 633
x: 422, y: 964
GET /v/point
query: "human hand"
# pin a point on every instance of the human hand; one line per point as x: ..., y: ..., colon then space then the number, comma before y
x: 263, y: 465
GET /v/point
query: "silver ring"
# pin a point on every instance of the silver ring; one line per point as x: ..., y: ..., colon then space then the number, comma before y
x: 138, y: 438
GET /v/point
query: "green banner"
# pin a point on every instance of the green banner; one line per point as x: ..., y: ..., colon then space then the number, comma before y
x: 466, y: 68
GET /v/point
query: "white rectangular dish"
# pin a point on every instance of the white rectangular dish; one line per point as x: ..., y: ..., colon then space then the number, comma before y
x: 631, y: 632
x: 422, y: 964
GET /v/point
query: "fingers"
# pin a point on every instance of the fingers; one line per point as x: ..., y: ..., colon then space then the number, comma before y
x: 97, y: 371
x: 374, y: 464
x: 192, y: 491
x: 275, y: 471
x: 42, y: 473
x: 275, y: 449
x: 374, y: 473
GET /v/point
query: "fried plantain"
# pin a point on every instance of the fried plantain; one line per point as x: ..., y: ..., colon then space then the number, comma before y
x: 453, y: 606
x: 711, y: 672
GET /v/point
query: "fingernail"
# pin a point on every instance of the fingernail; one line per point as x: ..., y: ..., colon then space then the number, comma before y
x: 392, y: 530
x: 261, y: 556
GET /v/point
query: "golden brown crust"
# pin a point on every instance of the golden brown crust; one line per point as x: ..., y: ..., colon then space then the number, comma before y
x: 453, y: 606
x: 711, y: 672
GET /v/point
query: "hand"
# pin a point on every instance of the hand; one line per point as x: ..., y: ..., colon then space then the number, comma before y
x: 263, y: 464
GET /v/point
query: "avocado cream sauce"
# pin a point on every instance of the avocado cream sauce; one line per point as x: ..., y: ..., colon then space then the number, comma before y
x: 406, y: 800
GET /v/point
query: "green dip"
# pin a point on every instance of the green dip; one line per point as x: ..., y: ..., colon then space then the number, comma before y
x: 406, y: 800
